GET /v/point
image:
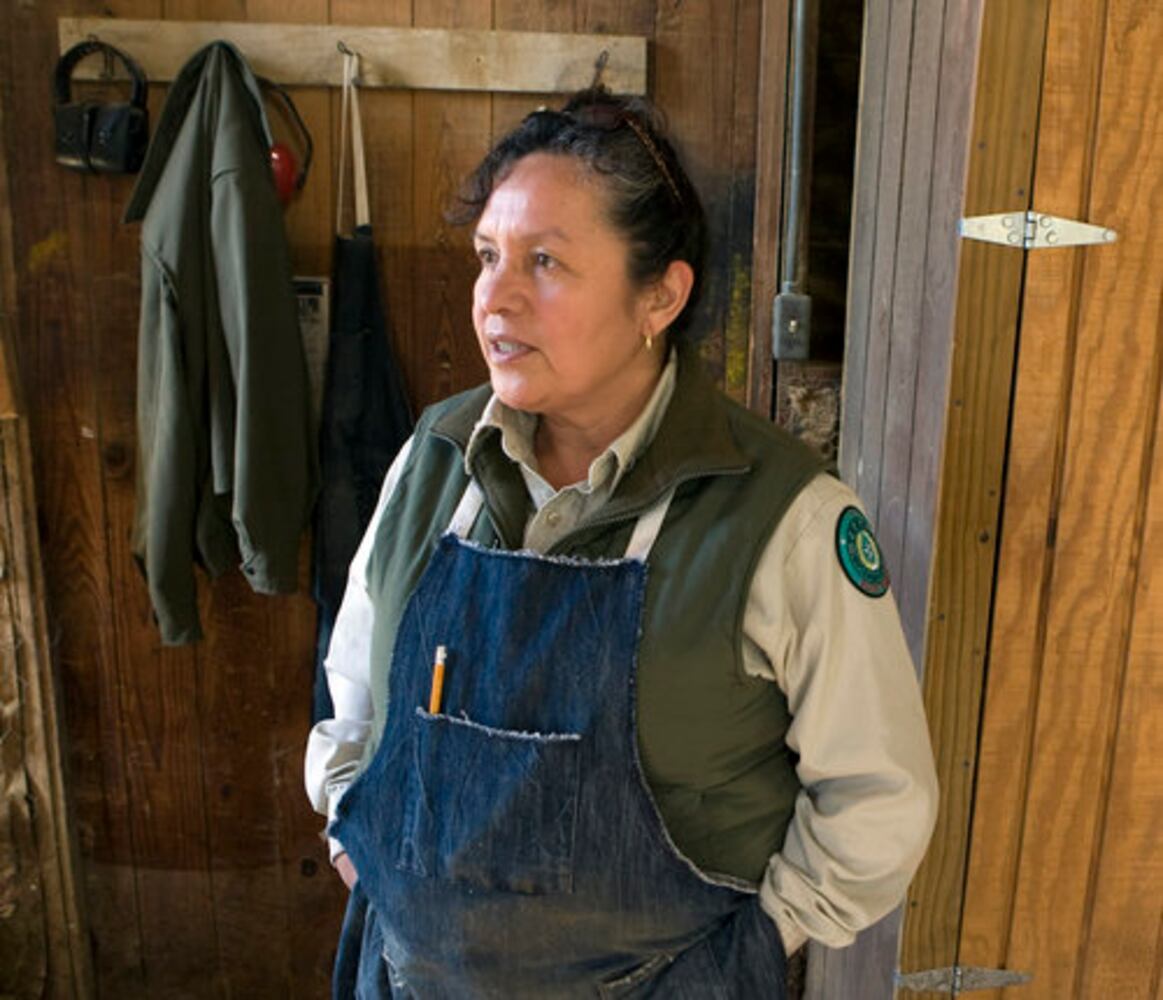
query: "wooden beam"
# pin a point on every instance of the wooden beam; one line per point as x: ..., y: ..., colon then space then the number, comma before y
x: 412, y: 58
x: 44, y: 941
x: 44, y: 946
x: 766, y: 242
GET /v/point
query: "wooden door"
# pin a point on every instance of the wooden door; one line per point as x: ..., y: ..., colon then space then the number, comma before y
x: 1065, y: 865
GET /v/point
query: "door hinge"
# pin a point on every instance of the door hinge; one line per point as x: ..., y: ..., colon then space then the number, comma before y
x: 1033, y: 230
x: 959, y: 979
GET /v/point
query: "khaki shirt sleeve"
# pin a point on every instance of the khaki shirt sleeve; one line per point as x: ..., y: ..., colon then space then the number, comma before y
x: 868, y: 804
x: 335, y: 746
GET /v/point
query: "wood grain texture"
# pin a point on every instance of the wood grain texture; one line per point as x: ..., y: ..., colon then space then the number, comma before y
x: 44, y: 930
x: 694, y: 47
x: 769, y: 152
x: 958, y: 608
x: 950, y: 170
x: 1081, y: 665
x: 203, y: 868
x: 452, y: 133
x: 1121, y: 950
x: 871, y: 122
x: 905, y: 333
x: 876, y: 334
x: 457, y: 58
x: 915, y: 107
x: 1025, y: 554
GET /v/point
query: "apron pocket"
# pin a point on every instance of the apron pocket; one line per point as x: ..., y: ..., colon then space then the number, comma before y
x: 690, y: 975
x: 490, y: 808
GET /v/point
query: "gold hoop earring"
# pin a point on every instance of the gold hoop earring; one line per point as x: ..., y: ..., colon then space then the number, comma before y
x: 649, y: 338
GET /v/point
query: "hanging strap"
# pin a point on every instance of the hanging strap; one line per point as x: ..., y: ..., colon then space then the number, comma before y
x: 642, y: 539
x: 350, y: 107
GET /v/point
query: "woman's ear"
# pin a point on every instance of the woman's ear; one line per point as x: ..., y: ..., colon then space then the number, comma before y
x: 666, y: 297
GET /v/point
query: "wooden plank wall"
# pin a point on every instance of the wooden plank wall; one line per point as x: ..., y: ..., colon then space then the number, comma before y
x: 1065, y: 877
x: 1005, y: 120
x: 202, y: 870
x: 43, y: 943
x: 916, y: 102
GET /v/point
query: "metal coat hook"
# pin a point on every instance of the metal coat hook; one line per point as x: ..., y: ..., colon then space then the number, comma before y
x: 107, y: 55
x: 350, y: 53
x: 600, y: 67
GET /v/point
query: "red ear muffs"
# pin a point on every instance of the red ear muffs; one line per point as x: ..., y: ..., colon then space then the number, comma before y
x: 289, y: 176
x: 285, y: 167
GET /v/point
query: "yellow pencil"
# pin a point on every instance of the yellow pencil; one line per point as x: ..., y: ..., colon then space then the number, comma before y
x: 437, y: 681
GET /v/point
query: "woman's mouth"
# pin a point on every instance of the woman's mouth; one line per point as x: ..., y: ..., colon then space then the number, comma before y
x: 502, y: 349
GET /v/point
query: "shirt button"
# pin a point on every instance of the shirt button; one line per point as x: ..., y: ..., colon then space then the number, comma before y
x: 552, y: 518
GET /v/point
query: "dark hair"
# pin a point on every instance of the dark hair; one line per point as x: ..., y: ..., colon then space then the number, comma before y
x: 649, y: 198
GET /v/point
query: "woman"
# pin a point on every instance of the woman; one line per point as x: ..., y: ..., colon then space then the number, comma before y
x: 652, y: 720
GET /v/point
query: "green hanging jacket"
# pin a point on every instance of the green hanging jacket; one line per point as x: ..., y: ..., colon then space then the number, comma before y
x: 227, y: 467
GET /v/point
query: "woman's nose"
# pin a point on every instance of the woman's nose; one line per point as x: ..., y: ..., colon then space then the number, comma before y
x: 498, y: 289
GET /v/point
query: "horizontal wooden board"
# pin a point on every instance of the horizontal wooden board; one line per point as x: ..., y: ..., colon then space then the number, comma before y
x: 410, y: 58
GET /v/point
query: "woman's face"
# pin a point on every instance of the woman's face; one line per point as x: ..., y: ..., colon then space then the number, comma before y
x: 558, y: 321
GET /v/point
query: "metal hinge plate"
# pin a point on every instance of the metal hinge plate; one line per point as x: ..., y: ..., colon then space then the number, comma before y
x: 1033, y: 230
x: 959, y: 979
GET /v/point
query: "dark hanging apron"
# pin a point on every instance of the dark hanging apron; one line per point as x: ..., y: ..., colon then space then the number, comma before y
x: 366, y: 417
x: 507, y: 845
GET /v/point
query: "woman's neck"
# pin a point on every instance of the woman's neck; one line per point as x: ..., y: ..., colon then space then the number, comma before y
x: 565, y: 447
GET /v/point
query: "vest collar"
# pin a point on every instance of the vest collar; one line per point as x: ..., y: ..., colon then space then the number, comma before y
x: 694, y: 440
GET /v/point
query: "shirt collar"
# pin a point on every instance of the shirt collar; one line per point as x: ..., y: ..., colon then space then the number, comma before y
x: 606, y: 471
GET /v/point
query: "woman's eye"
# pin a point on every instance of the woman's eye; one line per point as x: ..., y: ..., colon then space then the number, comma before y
x: 544, y: 260
x: 486, y: 255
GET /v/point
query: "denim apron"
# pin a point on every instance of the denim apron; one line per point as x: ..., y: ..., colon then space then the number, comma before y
x: 507, y: 844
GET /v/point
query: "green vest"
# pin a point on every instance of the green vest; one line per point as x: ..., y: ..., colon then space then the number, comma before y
x: 710, y: 738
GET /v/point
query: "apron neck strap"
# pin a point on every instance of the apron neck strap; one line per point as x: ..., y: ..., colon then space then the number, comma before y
x: 349, y: 111
x: 642, y: 540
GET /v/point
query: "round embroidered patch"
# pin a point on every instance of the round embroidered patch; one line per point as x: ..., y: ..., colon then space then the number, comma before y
x: 859, y: 554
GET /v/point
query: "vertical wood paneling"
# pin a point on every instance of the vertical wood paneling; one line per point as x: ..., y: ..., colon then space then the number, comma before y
x: 1099, y: 511
x: 744, y: 196
x: 869, y: 441
x: 771, y: 108
x: 296, y: 878
x: 904, y: 333
x: 1040, y: 407
x: 917, y: 80
x: 452, y: 131
x: 53, y: 253
x: 390, y: 144
x: 203, y: 869
x: 1122, y: 955
x: 871, y: 122
x: 693, y: 82
x: 44, y: 946
x: 981, y: 366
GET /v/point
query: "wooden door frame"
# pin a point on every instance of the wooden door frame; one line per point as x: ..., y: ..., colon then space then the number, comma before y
x: 907, y: 426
